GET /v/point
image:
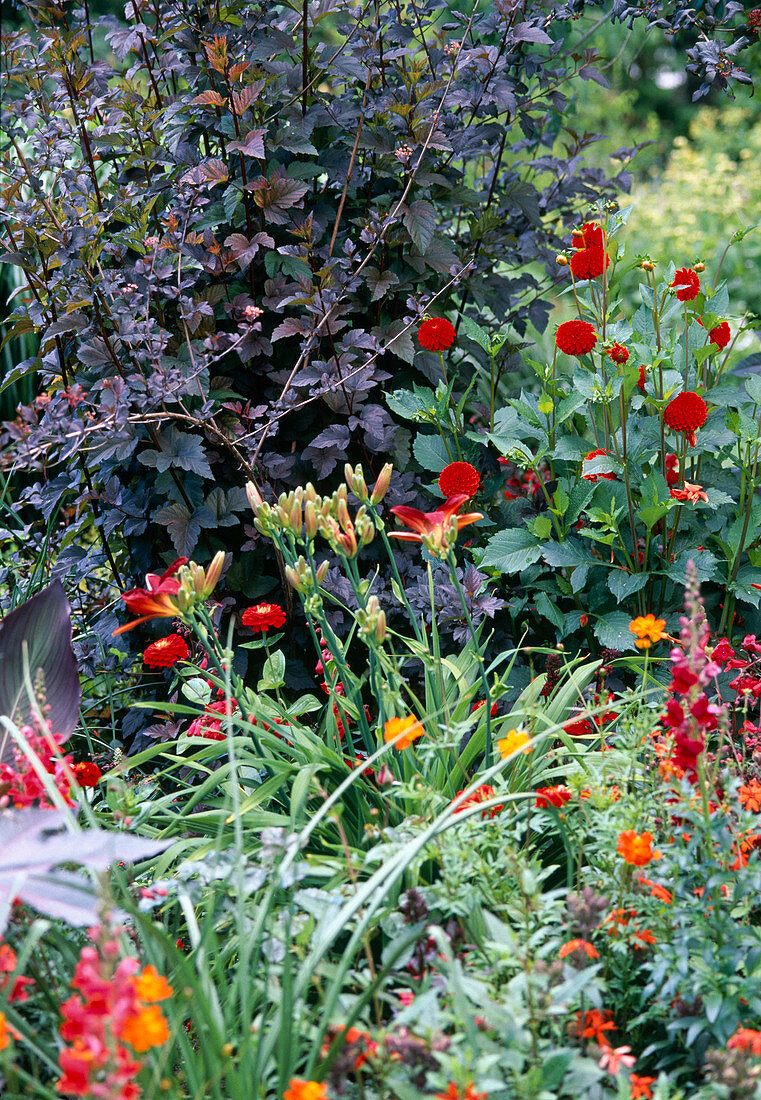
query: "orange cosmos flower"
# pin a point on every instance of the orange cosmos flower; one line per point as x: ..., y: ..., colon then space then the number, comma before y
x: 155, y: 601
x: 648, y: 630
x: 401, y: 732
x: 637, y: 848
x: 436, y: 530
x: 514, y: 741
x: 305, y: 1090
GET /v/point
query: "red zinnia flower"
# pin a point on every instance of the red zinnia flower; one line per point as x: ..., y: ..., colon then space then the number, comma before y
x: 686, y: 413
x: 552, y: 796
x: 688, y: 283
x: 575, y: 337
x: 594, y: 477
x: 155, y: 600
x: 480, y: 794
x: 263, y: 616
x: 436, y: 334
x: 720, y: 335
x: 166, y: 652
x: 459, y: 477
x: 87, y: 774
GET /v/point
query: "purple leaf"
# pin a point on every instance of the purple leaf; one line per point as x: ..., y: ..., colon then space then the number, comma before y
x: 33, y: 842
x: 40, y: 630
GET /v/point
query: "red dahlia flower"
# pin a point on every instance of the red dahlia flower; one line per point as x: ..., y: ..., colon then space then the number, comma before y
x: 619, y: 354
x: 589, y: 263
x: 166, y: 652
x: 263, y: 616
x: 721, y: 334
x: 687, y: 282
x: 459, y: 477
x: 575, y: 337
x: 436, y: 334
x: 686, y: 413
x: 155, y: 600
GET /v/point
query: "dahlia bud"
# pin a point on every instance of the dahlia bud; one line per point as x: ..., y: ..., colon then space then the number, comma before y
x: 647, y: 265
x: 560, y: 259
x: 699, y: 267
x: 381, y: 485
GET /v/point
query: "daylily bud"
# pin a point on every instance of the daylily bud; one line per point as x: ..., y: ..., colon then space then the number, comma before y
x: 382, y: 483
x: 380, y: 627
x: 310, y: 519
x: 295, y: 518
x: 213, y: 573
x: 255, y: 498
x: 310, y: 492
x: 321, y: 571
x: 343, y: 515
x: 355, y: 479
x: 293, y: 578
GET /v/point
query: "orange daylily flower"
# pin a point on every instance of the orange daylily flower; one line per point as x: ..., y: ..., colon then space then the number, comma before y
x: 435, y: 530
x: 155, y: 601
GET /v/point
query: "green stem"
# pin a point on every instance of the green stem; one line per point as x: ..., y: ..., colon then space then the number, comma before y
x: 452, y: 563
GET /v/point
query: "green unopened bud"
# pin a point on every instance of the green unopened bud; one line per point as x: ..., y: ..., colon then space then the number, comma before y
x: 355, y: 479
x: 381, y: 485
x: 322, y: 571
x: 380, y: 627
x: 295, y: 519
x: 294, y: 579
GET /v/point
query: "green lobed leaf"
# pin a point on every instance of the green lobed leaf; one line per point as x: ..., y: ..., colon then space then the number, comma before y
x: 511, y: 551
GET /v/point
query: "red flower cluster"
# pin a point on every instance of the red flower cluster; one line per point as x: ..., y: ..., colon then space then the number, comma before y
x: 686, y: 413
x: 24, y: 786
x: 209, y: 724
x: 8, y: 964
x: 672, y: 470
x: 480, y: 794
x: 116, y: 1010
x: 459, y: 477
x: 436, y: 334
x: 263, y: 616
x: 642, y: 378
x: 575, y: 337
x: 524, y: 483
x: 687, y: 282
x: 590, y: 259
x: 166, y: 652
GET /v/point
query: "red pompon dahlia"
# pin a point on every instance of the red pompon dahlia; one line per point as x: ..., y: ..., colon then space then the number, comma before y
x: 575, y: 337
x: 686, y: 413
x: 687, y: 282
x: 459, y: 477
x: 436, y: 334
x: 166, y: 652
x: 720, y: 335
x: 619, y: 354
x: 589, y: 263
x: 263, y: 616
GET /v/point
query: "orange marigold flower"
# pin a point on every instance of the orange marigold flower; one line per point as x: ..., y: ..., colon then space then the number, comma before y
x: 401, y: 732
x: 646, y: 936
x: 575, y: 337
x: 636, y: 848
x: 584, y: 946
x: 459, y: 477
x: 656, y: 890
x: 640, y: 1087
x: 648, y: 630
x: 145, y: 1030
x: 512, y: 742
x: 436, y: 334
x: 151, y: 986
x: 263, y: 616
x: 750, y: 796
x: 166, y: 652
x: 746, y: 1038
x: 687, y: 283
x: 305, y: 1090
